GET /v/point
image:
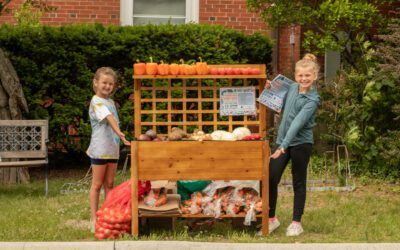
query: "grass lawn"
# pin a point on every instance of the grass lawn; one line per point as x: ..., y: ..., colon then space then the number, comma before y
x: 369, y: 214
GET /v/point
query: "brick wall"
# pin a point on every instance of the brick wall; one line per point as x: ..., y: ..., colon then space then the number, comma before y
x: 73, y: 11
x: 232, y: 14
x: 288, y: 50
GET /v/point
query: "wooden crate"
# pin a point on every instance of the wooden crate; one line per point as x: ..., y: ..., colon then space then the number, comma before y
x: 194, y: 160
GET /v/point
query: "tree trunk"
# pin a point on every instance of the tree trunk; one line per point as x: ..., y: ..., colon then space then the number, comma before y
x: 12, y: 104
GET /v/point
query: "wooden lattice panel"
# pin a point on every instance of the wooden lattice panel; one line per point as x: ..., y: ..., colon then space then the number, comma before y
x: 192, y: 101
x: 23, y: 138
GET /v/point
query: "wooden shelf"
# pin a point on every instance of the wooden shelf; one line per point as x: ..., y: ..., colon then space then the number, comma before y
x: 193, y: 160
x: 263, y: 76
x: 239, y: 215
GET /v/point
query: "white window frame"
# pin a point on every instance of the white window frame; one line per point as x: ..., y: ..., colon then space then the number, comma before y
x: 126, y: 12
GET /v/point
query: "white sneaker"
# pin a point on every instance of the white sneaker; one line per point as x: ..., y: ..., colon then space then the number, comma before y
x: 294, y: 229
x: 271, y: 227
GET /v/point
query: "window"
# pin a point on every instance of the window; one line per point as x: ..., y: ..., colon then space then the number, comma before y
x: 137, y: 12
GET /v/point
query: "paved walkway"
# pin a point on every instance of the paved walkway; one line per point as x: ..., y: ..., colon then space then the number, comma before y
x: 186, y: 245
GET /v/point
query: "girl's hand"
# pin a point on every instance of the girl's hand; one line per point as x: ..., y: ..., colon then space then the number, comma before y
x: 278, y: 153
x: 267, y: 84
x: 124, y: 140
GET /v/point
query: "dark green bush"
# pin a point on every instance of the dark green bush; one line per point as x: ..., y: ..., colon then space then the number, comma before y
x: 56, y: 64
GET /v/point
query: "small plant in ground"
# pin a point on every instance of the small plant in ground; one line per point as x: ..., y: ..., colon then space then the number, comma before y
x: 30, y: 12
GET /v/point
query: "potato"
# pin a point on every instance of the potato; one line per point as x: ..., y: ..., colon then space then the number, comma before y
x: 180, y: 131
x: 174, y: 136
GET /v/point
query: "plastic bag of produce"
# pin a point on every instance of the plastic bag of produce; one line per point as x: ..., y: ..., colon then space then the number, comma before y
x: 215, y: 185
x: 156, y: 197
x: 250, y: 215
x: 187, y: 188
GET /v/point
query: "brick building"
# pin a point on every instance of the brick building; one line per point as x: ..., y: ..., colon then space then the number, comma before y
x: 232, y: 14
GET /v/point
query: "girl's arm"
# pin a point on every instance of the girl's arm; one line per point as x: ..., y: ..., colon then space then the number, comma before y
x: 114, y: 125
x: 298, y: 122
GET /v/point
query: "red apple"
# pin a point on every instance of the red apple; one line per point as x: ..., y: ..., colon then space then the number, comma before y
x: 213, y: 71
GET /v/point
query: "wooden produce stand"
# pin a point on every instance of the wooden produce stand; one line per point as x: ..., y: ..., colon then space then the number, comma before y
x: 196, y: 160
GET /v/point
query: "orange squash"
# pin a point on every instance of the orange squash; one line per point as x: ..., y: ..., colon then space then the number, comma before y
x: 190, y: 69
x: 174, y: 69
x: 163, y: 69
x: 139, y: 68
x: 182, y: 67
x: 151, y: 67
x: 201, y: 67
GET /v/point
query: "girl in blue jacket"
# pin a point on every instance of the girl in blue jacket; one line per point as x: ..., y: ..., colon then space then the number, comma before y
x: 294, y: 142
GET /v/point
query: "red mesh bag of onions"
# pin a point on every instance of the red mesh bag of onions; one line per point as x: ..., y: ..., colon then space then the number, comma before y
x: 114, y: 216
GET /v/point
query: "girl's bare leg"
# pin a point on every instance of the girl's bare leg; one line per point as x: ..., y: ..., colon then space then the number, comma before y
x: 108, y: 181
x: 98, y: 173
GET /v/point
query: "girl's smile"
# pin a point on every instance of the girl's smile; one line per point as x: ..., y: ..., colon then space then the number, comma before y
x: 104, y: 85
x: 305, y: 76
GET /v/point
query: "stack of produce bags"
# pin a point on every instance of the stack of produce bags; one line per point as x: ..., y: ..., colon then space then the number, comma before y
x: 229, y: 198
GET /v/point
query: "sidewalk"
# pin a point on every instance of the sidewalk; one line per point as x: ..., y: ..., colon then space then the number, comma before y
x: 186, y: 245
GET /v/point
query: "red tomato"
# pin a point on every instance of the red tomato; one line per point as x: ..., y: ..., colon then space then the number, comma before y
x: 229, y: 71
x: 214, y: 71
x: 255, y: 71
x: 236, y: 71
x: 221, y: 71
x: 245, y: 71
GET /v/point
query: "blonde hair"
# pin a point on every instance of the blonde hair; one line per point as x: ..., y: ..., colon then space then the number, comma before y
x: 105, y: 71
x: 308, y: 60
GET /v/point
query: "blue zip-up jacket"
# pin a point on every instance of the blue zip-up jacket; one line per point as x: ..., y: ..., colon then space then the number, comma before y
x: 299, y: 113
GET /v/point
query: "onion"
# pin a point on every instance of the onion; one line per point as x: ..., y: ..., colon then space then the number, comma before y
x: 144, y: 137
x: 151, y: 133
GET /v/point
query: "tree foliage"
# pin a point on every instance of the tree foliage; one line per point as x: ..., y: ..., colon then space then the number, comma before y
x: 340, y: 25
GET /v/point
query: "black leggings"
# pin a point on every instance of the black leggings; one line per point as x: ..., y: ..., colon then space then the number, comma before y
x: 300, y: 156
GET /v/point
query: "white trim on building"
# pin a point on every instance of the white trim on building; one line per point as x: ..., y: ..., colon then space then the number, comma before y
x: 126, y: 12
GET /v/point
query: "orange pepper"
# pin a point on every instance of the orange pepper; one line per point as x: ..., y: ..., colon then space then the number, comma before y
x: 174, y: 69
x: 163, y: 69
x: 182, y: 67
x: 151, y: 67
x: 201, y: 67
x: 139, y: 68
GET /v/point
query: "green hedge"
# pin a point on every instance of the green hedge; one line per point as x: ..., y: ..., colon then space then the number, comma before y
x: 57, y: 63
